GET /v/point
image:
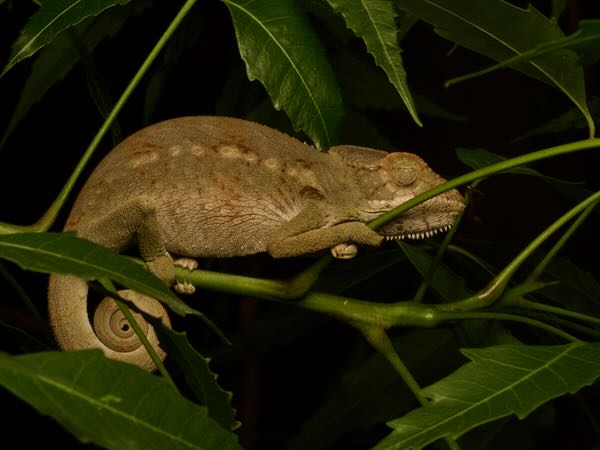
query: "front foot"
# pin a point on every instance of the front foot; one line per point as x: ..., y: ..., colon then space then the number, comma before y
x: 344, y: 251
x: 185, y: 287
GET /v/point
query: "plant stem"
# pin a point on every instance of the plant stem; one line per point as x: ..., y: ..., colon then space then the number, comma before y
x: 96, y: 83
x: 46, y: 221
x: 509, y: 317
x: 359, y: 312
x: 427, y: 277
x: 547, y: 318
x: 489, y: 294
x: 471, y: 257
x: 536, y: 273
x: 379, y: 339
x: 528, y: 304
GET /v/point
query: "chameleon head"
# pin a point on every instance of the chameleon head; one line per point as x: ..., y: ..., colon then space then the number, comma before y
x: 397, y: 178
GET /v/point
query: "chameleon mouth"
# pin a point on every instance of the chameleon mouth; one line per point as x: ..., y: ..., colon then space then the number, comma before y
x: 418, y: 234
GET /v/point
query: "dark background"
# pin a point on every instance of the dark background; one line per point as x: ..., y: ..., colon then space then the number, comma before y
x: 43, y: 150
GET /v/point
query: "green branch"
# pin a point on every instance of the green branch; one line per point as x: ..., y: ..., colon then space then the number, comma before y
x: 550, y: 309
x: 537, y: 272
x: 488, y: 295
x: 478, y: 315
x: 46, y: 221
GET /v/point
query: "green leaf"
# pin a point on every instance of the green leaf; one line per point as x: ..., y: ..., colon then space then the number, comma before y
x: 365, y: 86
x: 501, y: 380
x: 477, y: 158
x: 19, y: 339
x: 64, y: 253
x: 499, y: 30
x: 53, y: 17
x: 375, y: 22
x: 577, y: 289
x: 585, y: 41
x: 60, y: 56
x: 198, y: 375
x: 282, y: 51
x: 558, y: 6
x: 109, y: 403
x: 566, y: 121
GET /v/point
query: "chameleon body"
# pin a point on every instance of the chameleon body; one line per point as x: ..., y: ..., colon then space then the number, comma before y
x: 220, y: 187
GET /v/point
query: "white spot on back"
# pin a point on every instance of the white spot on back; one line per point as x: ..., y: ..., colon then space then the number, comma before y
x: 229, y: 151
x: 250, y: 156
x: 197, y: 150
x: 140, y: 159
x: 271, y: 163
x: 175, y: 150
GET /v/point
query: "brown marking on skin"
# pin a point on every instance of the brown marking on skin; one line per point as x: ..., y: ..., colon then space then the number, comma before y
x: 311, y: 192
x: 140, y: 146
x: 249, y: 155
x: 72, y: 224
x: 144, y: 154
x: 308, y: 165
x: 234, y: 137
x: 244, y: 148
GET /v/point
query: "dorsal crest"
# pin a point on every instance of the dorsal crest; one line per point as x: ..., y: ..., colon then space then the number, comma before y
x: 359, y: 157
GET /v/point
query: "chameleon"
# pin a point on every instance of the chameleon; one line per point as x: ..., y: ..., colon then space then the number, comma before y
x: 220, y: 187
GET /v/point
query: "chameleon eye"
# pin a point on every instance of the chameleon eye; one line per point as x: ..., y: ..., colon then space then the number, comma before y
x: 405, y: 173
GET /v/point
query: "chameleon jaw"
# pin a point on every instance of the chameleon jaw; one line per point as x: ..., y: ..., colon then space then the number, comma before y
x: 418, y: 234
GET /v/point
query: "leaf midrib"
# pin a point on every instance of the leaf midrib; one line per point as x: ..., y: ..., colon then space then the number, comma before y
x: 266, y: 30
x: 34, y: 38
x: 383, y: 46
x: 507, y: 45
x: 101, y: 405
x: 498, y: 393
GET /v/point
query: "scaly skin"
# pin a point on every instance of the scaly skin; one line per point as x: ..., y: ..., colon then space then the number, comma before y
x: 220, y: 187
